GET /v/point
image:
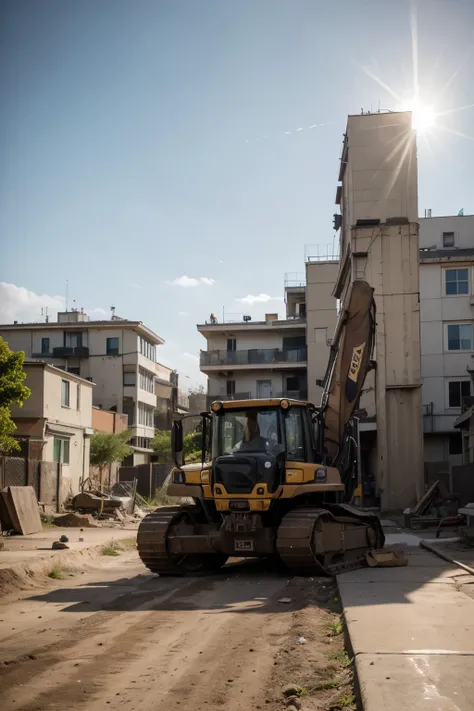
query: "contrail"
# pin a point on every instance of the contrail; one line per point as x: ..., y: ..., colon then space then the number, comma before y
x: 289, y: 133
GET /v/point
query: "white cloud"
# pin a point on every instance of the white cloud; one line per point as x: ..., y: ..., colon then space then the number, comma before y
x: 186, y: 281
x: 258, y: 299
x: 183, y: 313
x: 191, y: 356
x: 20, y: 304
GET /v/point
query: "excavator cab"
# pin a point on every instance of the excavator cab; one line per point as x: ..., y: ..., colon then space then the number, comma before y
x: 273, y: 474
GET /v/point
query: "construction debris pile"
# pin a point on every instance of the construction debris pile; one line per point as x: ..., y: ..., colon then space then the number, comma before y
x: 122, y: 505
x: 436, y: 505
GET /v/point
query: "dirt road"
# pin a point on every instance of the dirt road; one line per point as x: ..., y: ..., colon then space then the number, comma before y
x: 117, y: 636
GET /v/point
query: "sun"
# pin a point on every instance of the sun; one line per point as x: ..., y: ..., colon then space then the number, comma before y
x: 423, y: 118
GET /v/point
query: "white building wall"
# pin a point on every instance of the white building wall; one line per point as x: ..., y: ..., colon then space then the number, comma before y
x: 440, y: 367
x: 432, y: 228
x: 321, y: 318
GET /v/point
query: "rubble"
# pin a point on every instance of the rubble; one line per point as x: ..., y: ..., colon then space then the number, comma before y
x: 75, y: 520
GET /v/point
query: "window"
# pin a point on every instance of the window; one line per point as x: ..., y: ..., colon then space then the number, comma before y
x: 455, y: 443
x: 45, y: 345
x: 74, y: 370
x: 230, y: 388
x: 460, y: 337
x: 294, y: 435
x: 147, y: 349
x: 231, y: 344
x: 112, y: 346
x: 448, y: 239
x: 147, y: 381
x: 61, y: 450
x: 145, y: 415
x: 457, y: 281
x: 457, y: 390
x: 130, y: 378
x: 65, y: 388
x: 73, y: 339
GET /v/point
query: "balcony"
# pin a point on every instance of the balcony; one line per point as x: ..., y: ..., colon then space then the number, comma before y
x: 70, y: 352
x: 266, y: 357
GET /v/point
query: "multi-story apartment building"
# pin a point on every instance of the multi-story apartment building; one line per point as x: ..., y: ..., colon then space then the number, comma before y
x: 379, y: 243
x: 118, y: 356
x: 171, y: 401
x: 250, y: 359
x: 321, y: 317
x: 447, y: 324
x: 56, y: 423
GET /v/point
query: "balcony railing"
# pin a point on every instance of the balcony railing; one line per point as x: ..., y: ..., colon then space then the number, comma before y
x: 264, y: 356
x: 69, y: 351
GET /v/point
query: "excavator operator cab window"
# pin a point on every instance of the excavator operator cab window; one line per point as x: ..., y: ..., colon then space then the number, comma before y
x: 271, y: 430
x: 250, y: 430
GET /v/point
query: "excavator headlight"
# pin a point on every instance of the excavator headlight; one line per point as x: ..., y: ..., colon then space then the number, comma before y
x: 285, y: 404
x: 216, y: 406
x: 179, y: 477
x: 320, y: 475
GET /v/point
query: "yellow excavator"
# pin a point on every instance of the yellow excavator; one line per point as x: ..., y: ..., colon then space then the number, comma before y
x: 275, y: 475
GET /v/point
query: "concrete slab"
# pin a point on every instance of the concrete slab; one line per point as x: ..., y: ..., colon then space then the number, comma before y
x: 402, y: 539
x: 416, y: 682
x: 412, y: 634
x: 404, y: 617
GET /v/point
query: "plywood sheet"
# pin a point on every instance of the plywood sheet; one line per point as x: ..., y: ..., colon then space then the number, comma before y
x: 23, y: 509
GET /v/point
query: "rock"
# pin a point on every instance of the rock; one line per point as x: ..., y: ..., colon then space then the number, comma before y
x: 292, y: 708
x: 290, y: 690
x: 293, y: 702
x: 57, y: 545
x: 64, y: 539
x: 285, y: 600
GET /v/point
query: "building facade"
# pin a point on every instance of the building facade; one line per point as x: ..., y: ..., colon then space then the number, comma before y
x: 379, y: 242
x: 118, y: 356
x: 447, y: 337
x: 56, y: 420
x: 248, y: 359
x: 321, y: 318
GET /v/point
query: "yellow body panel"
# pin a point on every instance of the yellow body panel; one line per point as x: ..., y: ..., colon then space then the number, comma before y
x: 256, y: 404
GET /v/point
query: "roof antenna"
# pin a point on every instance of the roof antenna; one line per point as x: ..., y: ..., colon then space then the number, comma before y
x: 112, y: 313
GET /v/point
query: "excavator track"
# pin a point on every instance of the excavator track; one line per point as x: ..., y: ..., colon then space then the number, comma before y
x: 327, y: 541
x: 151, y: 540
x: 152, y: 544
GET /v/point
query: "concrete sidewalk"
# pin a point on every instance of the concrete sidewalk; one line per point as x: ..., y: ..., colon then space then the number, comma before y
x: 27, y: 556
x: 412, y: 634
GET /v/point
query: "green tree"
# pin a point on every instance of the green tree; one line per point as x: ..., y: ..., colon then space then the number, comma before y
x: 12, y: 391
x: 161, y: 444
x: 107, y: 448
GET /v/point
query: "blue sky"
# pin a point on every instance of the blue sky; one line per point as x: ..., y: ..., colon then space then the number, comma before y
x: 146, y: 141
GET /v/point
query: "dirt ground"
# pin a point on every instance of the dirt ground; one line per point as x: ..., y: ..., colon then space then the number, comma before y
x: 115, y: 635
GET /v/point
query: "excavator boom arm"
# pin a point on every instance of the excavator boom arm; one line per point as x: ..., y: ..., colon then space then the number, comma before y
x: 351, y: 354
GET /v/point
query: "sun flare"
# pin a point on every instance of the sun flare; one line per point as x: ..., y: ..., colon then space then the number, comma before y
x: 423, y: 118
